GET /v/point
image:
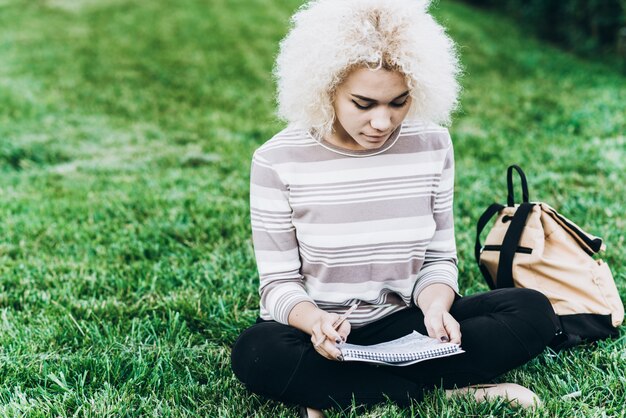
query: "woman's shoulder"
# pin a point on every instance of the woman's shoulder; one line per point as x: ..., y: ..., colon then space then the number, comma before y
x: 285, y: 146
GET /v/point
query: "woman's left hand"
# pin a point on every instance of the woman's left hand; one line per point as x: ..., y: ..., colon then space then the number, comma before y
x: 441, y: 325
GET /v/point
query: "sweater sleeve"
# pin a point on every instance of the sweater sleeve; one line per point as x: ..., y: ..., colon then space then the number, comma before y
x: 275, y: 244
x: 440, y: 262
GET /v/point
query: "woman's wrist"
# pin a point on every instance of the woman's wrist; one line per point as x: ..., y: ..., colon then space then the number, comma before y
x: 436, y: 306
x: 304, y: 315
x: 436, y: 297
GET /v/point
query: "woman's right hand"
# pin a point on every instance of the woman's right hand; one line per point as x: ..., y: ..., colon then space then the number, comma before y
x: 318, y: 323
x: 325, y: 337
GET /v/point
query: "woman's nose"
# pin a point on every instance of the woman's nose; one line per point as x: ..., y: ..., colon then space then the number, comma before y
x: 381, y: 120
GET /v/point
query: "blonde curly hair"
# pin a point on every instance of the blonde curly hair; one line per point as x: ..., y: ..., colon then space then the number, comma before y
x: 329, y: 38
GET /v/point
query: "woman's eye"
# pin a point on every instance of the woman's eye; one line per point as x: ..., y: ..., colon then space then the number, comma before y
x: 394, y: 104
x: 369, y: 106
x: 361, y: 106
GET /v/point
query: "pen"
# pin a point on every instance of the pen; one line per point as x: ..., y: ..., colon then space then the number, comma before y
x: 338, y: 322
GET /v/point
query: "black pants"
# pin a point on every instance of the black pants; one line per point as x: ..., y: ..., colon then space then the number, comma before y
x: 501, y: 330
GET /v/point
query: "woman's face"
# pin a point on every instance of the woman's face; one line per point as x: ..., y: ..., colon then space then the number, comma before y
x: 369, y: 105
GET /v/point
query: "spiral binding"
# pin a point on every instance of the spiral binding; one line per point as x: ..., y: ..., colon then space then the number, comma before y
x: 399, y: 357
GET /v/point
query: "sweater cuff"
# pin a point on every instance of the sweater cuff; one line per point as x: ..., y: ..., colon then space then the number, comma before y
x: 282, y: 299
x: 445, y: 273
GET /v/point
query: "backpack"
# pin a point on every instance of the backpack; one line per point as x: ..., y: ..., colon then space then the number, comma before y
x: 531, y: 245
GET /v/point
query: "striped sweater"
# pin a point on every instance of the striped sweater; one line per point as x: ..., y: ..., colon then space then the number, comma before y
x: 335, y: 226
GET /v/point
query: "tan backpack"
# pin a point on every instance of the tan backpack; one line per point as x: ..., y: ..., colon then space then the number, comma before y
x: 532, y: 246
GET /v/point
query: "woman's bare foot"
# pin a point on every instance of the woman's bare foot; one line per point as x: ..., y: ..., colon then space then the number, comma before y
x: 517, y: 395
x: 311, y: 413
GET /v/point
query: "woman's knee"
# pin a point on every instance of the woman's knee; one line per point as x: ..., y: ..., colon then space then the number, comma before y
x: 265, y: 355
x: 244, y: 352
x: 532, y: 301
x: 534, y: 308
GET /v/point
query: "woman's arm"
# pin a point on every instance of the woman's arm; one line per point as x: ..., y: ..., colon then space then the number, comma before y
x: 281, y: 289
x: 437, y: 280
x: 275, y: 243
x: 435, y: 302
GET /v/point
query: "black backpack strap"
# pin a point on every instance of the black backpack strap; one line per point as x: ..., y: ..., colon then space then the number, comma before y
x: 482, y: 222
x: 509, y: 182
x: 510, y: 243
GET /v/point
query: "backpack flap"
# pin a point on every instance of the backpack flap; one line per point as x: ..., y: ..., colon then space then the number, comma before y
x: 589, y: 243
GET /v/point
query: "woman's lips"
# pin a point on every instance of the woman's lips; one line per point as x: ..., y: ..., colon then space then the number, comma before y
x: 376, y: 137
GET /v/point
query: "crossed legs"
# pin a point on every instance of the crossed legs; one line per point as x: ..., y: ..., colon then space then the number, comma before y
x: 501, y: 330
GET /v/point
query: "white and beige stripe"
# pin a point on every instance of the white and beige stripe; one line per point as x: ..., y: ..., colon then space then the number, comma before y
x: 335, y: 227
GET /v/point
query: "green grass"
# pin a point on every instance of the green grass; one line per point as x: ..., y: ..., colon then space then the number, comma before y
x: 126, y: 131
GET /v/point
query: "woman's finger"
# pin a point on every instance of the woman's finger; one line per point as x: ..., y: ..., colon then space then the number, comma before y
x: 344, y: 330
x: 319, y: 347
x: 429, y: 329
x: 317, y: 336
x: 453, y: 328
x: 315, y: 340
x: 326, y: 349
x: 324, y: 344
x: 330, y: 332
x: 331, y: 349
x: 438, y: 329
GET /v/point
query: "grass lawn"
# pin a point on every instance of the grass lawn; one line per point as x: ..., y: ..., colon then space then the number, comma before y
x: 126, y: 131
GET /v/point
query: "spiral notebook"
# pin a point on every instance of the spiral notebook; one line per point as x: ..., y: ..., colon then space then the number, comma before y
x: 410, y: 349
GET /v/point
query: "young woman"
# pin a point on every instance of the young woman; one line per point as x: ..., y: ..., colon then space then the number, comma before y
x: 352, y: 203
